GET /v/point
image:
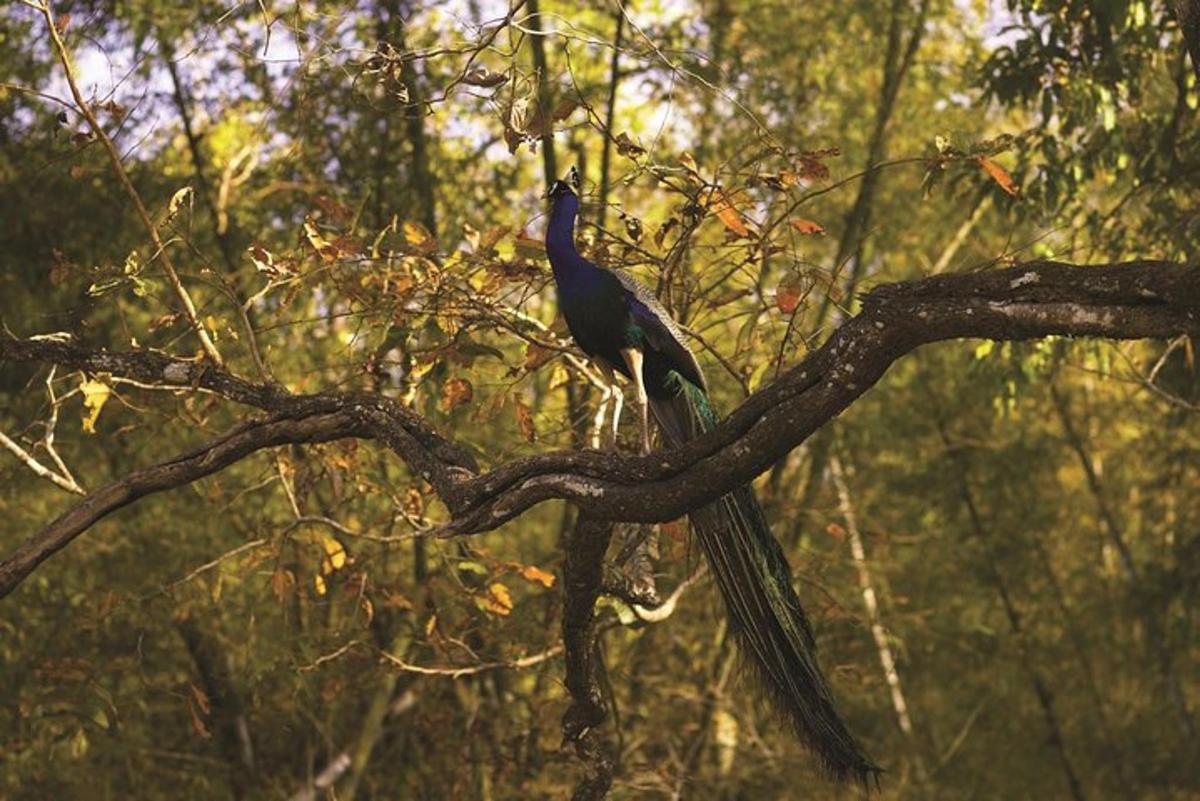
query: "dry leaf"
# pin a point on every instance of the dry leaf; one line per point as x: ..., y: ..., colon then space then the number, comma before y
x: 414, y: 503
x: 455, y: 393
x: 201, y: 698
x: 806, y: 226
x: 531, y: 573
x: 675, y: 529
x: 419, y: 237
x: 689, y: 164
x: 788, y: 296
x: 525, y: 422
x: 999, y: 175
x: 726, y: 212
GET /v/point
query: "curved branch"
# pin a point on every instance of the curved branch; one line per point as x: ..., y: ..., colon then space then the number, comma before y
x: 1135, y: 300
x: 231, y: 447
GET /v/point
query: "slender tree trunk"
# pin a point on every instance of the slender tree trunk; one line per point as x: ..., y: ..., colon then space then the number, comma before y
x: 610, y: 112
x: 886, y: 659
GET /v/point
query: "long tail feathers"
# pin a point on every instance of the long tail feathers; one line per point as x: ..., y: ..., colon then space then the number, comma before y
x: 755, y: 581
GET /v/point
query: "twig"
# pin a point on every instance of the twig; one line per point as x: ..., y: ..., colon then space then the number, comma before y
x: 189, y: 308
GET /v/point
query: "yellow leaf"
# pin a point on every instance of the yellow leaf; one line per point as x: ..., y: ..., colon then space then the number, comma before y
x: 999, y: 175
x: 558, y: 376
x: 689, y: 164
x: 531, y: 573
x: 319, y: 584
x: 498, y: 599
x: 95, y: 394
x: 335, y: 558
x: 806, y: 226
x: 319, y: 243
x: 419, y: 236
x: 430, y: 625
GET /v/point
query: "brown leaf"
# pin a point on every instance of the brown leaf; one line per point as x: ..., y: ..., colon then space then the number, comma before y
x: 455, y: 393
x: 836, y: 531
x: 201, y: 698
x: 198, y: 724
x: 525, y: 422
x: 536, y: 574
x: 565, y: 108
x: 999, y: 175
x: 62, y: 23
x: 806, y: 226
x: 788, y: 296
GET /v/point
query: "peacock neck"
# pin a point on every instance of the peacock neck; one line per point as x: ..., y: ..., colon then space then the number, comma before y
x: 560, y: 238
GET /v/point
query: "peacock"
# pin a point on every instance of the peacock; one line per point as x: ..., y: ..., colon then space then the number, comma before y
x: 620, y: 325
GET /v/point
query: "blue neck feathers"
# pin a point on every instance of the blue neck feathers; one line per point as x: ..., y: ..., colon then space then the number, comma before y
x: 560, y: 237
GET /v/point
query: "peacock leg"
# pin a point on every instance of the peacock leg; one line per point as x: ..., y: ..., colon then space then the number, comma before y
x: 633, y: 360
x: 611, y: 393
x: 601, y: 408
x: 618, y: 398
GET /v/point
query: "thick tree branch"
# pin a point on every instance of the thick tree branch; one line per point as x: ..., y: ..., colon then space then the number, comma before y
x: 1122, y: 301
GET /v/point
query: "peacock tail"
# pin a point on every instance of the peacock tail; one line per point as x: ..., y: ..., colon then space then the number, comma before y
x: 755, y: 582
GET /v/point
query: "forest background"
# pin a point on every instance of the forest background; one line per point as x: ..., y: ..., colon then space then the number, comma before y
x: 224, y: 221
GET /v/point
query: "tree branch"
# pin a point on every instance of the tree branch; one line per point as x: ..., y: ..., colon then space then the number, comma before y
x: 184, y: 469
x: 1134, y: 300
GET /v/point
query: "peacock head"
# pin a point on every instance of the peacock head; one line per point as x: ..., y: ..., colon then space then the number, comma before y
x: 565, y: 186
